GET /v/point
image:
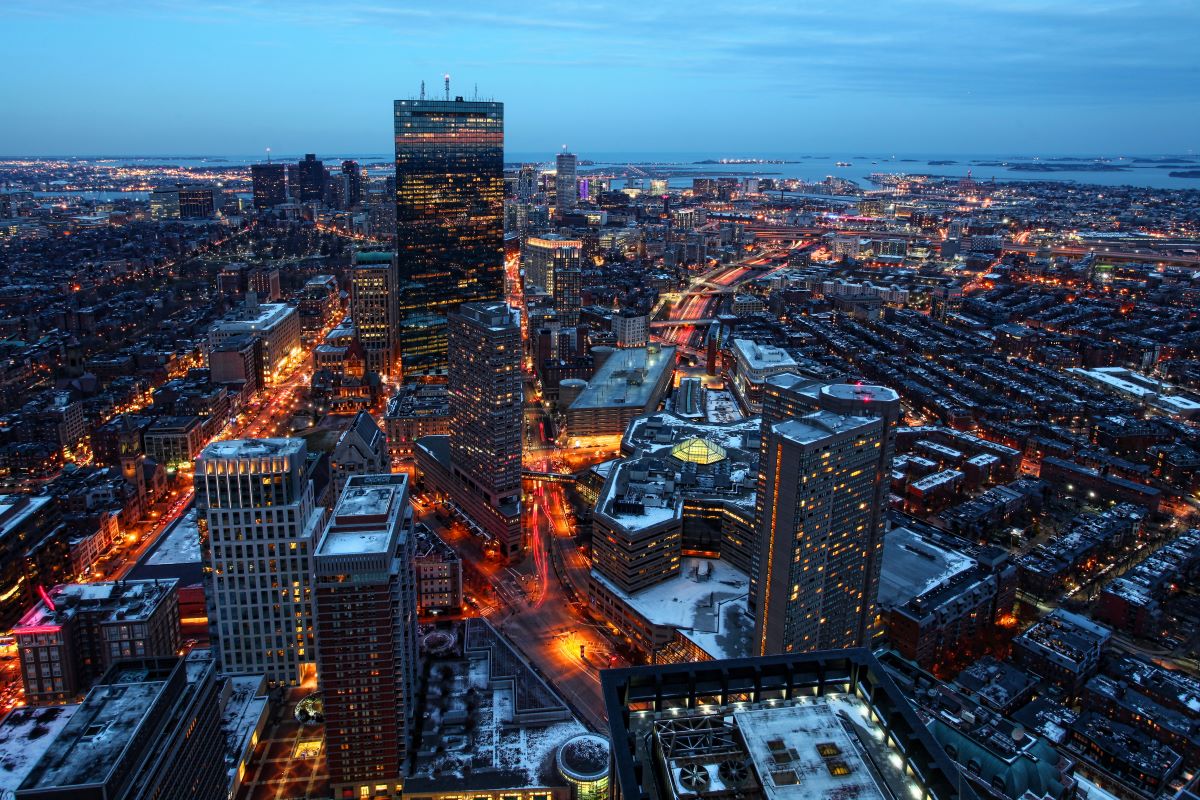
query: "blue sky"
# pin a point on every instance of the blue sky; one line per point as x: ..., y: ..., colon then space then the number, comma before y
x: 936, y: 76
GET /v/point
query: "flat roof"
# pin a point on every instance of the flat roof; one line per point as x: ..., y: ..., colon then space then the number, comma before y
x: 786, y: 744
x: 252, y: 448
x: 913, y: 565
x: 706, y: 602
x: 364, y: 519
x: 821, y: 425
x: 24, y: 736
x: 627, y: 378
x: 763, y: 356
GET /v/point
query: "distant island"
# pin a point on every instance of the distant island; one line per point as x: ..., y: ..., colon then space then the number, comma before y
x: 745, y: 161
x: 1064, y: 167
x: 942, y: 163
x: 1184, y: 173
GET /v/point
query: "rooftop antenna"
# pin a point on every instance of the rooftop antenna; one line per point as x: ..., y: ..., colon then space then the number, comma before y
x: 268, y: 155
x: 447, y: 80
x: 476, y: 95
x: 422, y: 90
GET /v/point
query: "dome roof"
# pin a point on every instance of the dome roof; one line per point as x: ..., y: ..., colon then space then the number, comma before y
x: 698, y: 451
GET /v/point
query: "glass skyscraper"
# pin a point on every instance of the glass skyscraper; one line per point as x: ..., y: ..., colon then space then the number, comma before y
x: 449, y: 220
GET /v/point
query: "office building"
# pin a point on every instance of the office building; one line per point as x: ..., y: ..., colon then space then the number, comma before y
x: 566, y: 182
x: 277, y: 325
x: 270, y: 184
x: 449, y: 219
x: 813, y: 726
x: 362, y: 449
x: 310, y: 174
x: 819, y: 516
x: 366, y: 626
x: 77, y: 631
x: 352, y: 184
x: 552, y: 263
x: 631, y: 327
x: 629, y: 383
x: 164, y: 203
x: 258, y: 522
x: 149, y: 730
x: 375, y: 308
x: 197, y: 202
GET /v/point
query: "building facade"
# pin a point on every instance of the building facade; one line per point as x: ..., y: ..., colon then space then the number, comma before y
x: 374, y: 307
x: 258, y: 522
x: 366, y: 626
x: 449, y: 219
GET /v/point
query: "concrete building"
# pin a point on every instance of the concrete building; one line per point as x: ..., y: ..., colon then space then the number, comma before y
x: 813, y: 726
x: 544, y: 258
x: 632, y: 328
x: 258, y: 522
x: 149, y: 730
x: 630, y: 383
x: 754, y: 363
x: 276, y: 324
x: 365, y: 610
x: 566, y: 182
x: 415, y: 411
x: 438, y: 574
x: 77, y: 631
x: 479, y: 467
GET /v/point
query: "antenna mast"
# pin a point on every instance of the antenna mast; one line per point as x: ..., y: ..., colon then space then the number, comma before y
x: 268, y: 155
x: 422, y: 90
x: 447, y: 80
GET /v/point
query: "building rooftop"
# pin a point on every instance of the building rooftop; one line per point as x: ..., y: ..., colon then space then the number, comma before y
x: 131, y: 601
x: 762, y: 356
x: 364, y: 521
x: 262, y: 316
x: 820, y: 425
x: 24, y: 736
x: 252, y: 448
x: 627, y: 378
x: 915, y: 565
x: 705, y: 602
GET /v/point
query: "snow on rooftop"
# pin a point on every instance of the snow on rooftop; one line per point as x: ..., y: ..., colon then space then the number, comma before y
x: 252, y: 448
x: 913, y: 566
x: 820, y: 425
x: 706, y: 602
x: 180, y: 544
x: 783, y: 742
x: 24, y: 736
x: 720, y: 407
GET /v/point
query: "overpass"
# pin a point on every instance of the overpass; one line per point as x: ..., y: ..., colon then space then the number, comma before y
x: 679, y: 323
x: 547, y: 477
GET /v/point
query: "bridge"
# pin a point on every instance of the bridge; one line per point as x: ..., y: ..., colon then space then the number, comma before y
x: 547, y: 477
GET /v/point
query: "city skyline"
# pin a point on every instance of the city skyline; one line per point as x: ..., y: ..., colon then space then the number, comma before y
x: 949, y: 77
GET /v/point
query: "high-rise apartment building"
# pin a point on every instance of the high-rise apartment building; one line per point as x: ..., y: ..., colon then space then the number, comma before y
x: 366, y: 626
x: 566, y: 182
x: 485, y: 412
x: 258, y: 522
x: 311, y: 176
x: 374, y: 307
x: 270, y: 184
x: 449, y: 219
x: 820, y: 513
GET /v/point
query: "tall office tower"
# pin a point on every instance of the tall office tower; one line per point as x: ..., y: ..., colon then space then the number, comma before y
x: 544, y: 256
x: 270, y: 184
x: 821, y: 511
x: 527, y: 182
x: 375, y: 307
x: 311, y: 176
x: 364, y: 602
x: 352, y: 183
x: 566, y: 182
x: 258, y: 522
x: 485, y: 416
x: 449, y: 219
x: 568, y: 289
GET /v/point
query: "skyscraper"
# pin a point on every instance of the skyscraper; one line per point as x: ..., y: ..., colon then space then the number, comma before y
x: 449, y: 219
x: 366, y: 626
x: 543, y: 257
x: 820, y: 514
x: 270, y: 184
x: 352, y: 183
x: 374, y: 307
x: 485, y: 414
x: 566, y: 182
x: 311, y: 176
x: 258, y: 522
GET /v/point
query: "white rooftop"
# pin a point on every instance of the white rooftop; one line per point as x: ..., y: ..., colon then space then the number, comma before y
x: 252, y: 448
x: 762, y: 356
x: 820, y: 425
x: 706, y: 602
